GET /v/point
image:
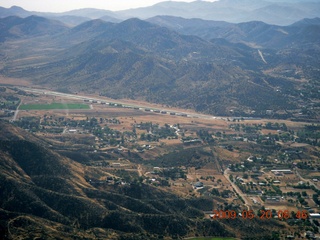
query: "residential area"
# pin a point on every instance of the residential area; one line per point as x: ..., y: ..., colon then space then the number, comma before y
x: 239, y: 163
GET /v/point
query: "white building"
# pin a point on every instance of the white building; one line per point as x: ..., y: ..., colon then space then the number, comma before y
x: 314, y: 215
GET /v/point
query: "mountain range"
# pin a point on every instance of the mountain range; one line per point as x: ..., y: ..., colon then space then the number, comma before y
x: 280, y: 13
x: 258, y: 33
x: 235, y: 11
x: 222, y: 67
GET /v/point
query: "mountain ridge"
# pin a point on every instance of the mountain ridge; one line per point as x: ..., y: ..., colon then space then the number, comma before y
x: 136, y: 59
x: 231, y: 11
x: 31, y: 26
x: 271, y: 12
x: 257, y: 32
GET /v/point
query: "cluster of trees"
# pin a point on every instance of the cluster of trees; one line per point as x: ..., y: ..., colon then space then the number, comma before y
x: 247, y: 128
x: 310, y: 134
x: 30, y: 123
x: 276, y: 126
x: 9, y: 102
x: 304, y: 165
x: 316, y: 199
x: 173, y: 173
x: 155, y: 132
x: 300, y: 196
x: 205, y: 136
x: 109, y: 135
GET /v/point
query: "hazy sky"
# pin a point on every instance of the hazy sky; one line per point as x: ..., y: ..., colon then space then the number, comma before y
x: 65, y: 5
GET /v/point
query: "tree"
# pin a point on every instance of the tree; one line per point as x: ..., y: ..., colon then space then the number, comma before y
x: 215, y: 192
x: 143, y: 136
x: 231, y: 177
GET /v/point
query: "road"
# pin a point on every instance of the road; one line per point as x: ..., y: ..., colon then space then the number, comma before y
x: 306, y: 180
x: 139, y: 170
x: 100, y: 99
x: 16, y: 112
x: 236, y: 188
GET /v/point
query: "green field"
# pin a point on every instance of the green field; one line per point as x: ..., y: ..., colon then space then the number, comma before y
x: 54, y: 106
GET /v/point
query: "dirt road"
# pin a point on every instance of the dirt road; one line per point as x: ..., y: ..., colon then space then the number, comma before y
x: 236, y: 188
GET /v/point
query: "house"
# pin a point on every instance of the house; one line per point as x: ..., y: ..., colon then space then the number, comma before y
x: 278, y: 173
x: 256, y: 192
x: 269, y: 112
x: 198, y: 185
x: 240, y: 179
x: 273, y: 199
x: 250, y: 159
x: 310, y: 235
x: 192, y: 141
x: 314, y: 215
x: 109, y: 180
x: 285, y: 171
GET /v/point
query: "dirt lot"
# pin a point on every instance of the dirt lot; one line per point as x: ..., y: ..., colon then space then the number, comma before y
x: 14, y: 81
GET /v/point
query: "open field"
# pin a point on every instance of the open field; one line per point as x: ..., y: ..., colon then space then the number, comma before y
x: 14, y: 81
x: 54, y: 106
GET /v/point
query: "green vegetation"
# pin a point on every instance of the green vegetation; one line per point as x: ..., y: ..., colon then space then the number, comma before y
x: 8, y: 101
x: 54, y: 106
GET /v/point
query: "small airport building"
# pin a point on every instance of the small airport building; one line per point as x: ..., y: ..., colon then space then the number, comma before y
x: 285, y: 171
x: 314, y: 215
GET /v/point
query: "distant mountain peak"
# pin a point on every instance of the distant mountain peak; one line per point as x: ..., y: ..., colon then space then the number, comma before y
x: 307, y: 21
x: 136, y: 22
x: 16, y: 8
x: 35, y: 17
x: 95, y: 25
